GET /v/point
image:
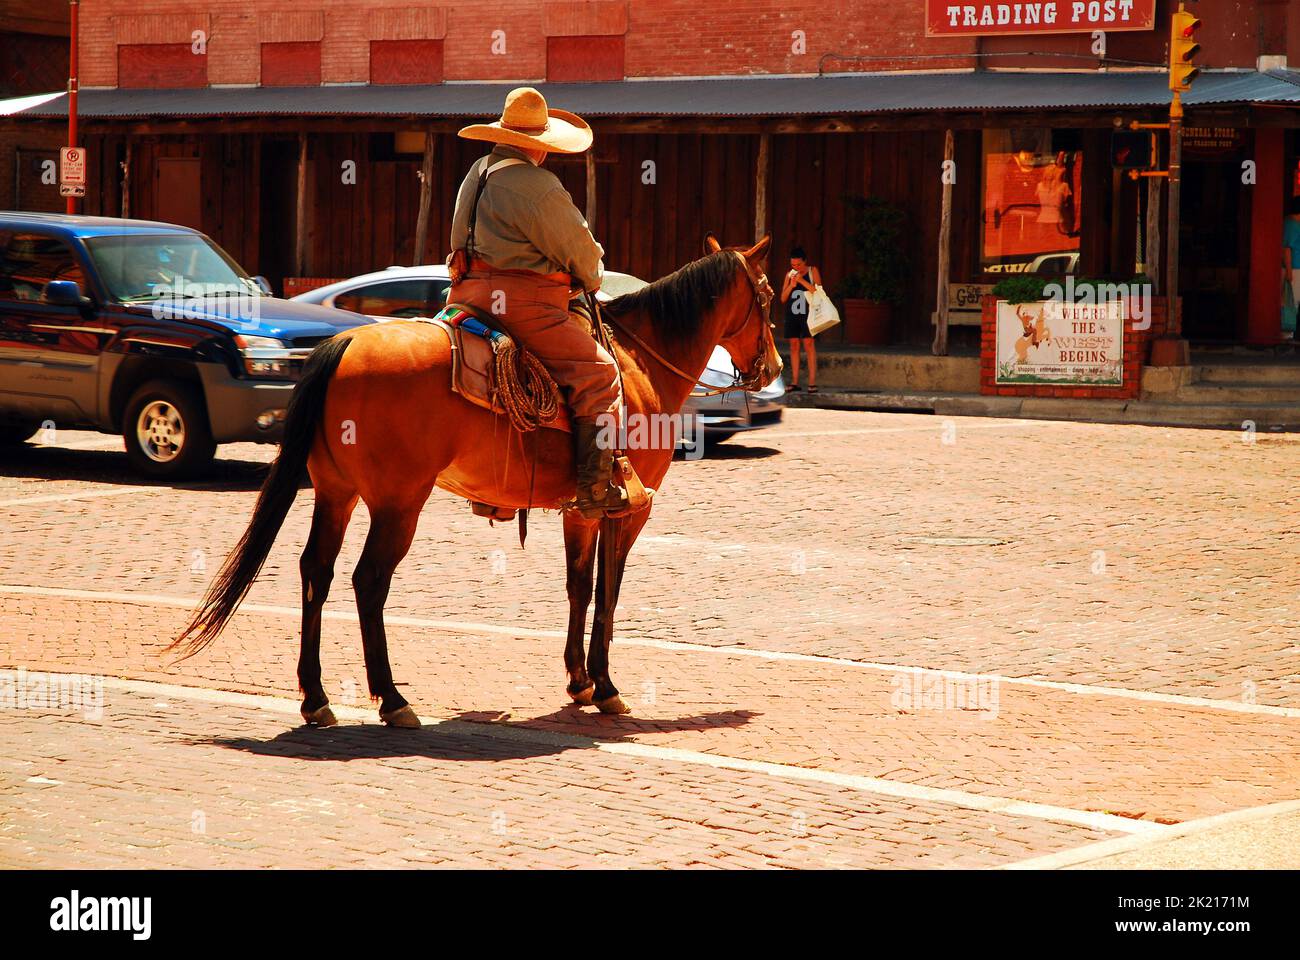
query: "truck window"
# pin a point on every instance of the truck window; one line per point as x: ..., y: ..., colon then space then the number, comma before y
x: 28, y: 261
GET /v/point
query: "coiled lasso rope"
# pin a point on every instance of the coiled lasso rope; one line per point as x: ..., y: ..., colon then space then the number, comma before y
x: 523, y: 387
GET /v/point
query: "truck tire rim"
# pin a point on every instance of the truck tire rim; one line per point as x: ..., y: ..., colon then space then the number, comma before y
x: 160, y: 431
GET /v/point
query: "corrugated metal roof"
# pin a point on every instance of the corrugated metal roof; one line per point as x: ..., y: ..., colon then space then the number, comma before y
x: 732, y: 97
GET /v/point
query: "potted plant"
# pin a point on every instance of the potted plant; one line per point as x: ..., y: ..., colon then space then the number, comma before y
x: 877, y: 284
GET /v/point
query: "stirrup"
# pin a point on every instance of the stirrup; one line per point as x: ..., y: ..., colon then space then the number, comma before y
x: 633, y: 495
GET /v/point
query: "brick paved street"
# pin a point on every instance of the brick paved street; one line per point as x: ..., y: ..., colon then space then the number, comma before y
x: 1116, y: 608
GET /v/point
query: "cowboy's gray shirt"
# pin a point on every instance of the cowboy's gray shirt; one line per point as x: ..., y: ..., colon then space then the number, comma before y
x: 526, y: 221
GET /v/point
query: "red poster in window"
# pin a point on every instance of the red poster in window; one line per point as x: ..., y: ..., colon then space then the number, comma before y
x: 953, y: 18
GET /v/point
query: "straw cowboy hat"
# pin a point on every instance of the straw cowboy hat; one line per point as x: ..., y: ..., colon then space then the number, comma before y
x: 527, y: 123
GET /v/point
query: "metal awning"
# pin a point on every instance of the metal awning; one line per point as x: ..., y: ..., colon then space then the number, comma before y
x: 866, y: 93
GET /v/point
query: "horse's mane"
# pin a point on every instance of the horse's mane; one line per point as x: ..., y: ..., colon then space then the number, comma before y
x: 676, y: 303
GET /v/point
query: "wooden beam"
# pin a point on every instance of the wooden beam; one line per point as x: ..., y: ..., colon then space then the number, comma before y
x: 426, y: 200
x: 590, y: 210
x: 300, y: 227
x: 760, y: 185
x: 1152, y: 257
x: 126, y: 182
x: 940, y: 346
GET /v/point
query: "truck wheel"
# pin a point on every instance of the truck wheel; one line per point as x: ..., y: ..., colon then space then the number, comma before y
x: 14, y: 432
x: 166, y: 430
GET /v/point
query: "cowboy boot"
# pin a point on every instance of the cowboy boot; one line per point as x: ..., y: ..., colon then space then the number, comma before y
x: 597, y: 492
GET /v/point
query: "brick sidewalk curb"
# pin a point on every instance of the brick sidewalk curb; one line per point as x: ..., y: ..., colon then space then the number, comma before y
x: 1108, y: 848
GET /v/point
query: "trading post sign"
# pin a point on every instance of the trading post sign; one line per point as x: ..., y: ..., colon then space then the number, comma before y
x: 955, y: 18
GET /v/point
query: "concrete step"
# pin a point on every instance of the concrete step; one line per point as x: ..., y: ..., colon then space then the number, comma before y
x: 891, y: 372
x: 1225, y: 416
x: 1240, y: 391
x: 1279, y: 374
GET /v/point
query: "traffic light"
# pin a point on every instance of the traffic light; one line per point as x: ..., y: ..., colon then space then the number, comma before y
x: 1183, y: 49
x: 1133, y: 150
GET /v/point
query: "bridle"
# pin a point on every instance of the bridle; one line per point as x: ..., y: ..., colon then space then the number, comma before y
x: 763, y: 294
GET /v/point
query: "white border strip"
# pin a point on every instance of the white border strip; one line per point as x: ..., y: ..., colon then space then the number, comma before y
x: 872, y: 785
x: 1109, y: 848
x: 678, y: 646
x: 83, y: 495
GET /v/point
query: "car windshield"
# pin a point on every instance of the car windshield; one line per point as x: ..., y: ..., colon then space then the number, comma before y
x: 137, y: 268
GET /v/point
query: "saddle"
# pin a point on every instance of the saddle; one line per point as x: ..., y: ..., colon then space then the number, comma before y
x: 491, y: 371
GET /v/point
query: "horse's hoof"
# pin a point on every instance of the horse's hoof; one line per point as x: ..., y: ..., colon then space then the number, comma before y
x: 320, y: 717
x: 583, y: 697
x: 613, y: 704
x: 403, y: 717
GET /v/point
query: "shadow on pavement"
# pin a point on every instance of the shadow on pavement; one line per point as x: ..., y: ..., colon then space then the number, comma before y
x: 111, y: 466
x: 473, y: 736
x: 731, y: 450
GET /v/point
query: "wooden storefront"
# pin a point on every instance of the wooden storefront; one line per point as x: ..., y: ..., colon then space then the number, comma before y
x: 661, y: 183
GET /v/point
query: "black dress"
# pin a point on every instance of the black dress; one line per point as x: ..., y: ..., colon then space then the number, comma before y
x: 796, y: 323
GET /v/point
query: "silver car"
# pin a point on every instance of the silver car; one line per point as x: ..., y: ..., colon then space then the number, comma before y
x: 405, y: 292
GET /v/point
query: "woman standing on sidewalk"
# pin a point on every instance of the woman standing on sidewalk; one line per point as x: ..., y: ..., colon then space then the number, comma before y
x: 800, y: 281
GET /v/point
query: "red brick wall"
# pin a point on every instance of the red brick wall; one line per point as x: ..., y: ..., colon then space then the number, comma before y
x: 572, y: 59
x: 406, y: 61
x: 291, y: 64
x: 1136, y: 347
x: 663, y: 37
x: 154, y: 65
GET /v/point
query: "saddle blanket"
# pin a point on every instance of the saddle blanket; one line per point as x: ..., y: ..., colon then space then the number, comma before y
x: 477, y: 354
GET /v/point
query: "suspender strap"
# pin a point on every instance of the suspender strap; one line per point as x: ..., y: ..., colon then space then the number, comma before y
x: 487, y: 171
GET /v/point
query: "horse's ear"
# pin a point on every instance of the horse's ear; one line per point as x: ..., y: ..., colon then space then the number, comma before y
x: 711, y: 244
x: 759, y: 250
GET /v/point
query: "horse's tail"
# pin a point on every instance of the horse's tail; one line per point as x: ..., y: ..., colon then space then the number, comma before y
x: 241, y: 568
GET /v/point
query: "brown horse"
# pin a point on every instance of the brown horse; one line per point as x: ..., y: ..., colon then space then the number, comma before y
x: 374, y: 418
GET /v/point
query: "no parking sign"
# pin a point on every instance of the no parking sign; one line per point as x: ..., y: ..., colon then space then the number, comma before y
x: 72, y: 172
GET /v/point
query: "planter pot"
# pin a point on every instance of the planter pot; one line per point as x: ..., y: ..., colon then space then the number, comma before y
x: 867, y: 322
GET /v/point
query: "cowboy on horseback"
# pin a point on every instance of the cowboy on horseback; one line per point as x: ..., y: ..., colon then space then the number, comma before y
x: 524, y: 254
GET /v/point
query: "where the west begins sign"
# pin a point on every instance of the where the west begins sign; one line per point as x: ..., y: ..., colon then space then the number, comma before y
x: 945, y: 18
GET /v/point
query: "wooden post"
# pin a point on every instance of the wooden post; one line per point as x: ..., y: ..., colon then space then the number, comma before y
x: 1152, y: 258
x: 940, y: 347
x: 126, y: 182
x: 591, y: 189
x: 426, y: 200
x: 300, y: 245
x: 1171, y: 239
x: 760, y: 186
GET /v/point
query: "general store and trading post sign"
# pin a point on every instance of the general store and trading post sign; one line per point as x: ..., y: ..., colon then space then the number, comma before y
x: 953, y: 18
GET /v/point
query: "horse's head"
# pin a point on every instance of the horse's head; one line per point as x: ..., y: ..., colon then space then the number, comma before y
x: 747, y: 337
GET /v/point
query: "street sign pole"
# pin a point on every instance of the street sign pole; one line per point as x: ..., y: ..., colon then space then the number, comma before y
x: 72, y: 91
x: 1175, y: 182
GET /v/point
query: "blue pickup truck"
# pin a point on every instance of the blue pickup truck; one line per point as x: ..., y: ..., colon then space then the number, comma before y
x: 145, y: 329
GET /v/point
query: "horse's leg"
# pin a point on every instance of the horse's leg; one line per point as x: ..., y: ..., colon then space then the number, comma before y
x: 616, y: 539
x: 391, y: 533
x: 329, y: 520
x: 580, y: 555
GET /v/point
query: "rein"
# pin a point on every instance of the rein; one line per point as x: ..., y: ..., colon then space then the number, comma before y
x: 746, y: 383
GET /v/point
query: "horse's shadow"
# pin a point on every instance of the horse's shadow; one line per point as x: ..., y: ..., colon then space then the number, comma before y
x: 472, y: 736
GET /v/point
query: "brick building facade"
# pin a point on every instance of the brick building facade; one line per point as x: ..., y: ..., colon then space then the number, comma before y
x: 202, y: 112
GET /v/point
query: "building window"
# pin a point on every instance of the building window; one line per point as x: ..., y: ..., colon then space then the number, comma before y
x: 151, y: 65
x: 291, y: 64
x: 1032, y: 181
x: 574, y: 59
x: 405, y: 61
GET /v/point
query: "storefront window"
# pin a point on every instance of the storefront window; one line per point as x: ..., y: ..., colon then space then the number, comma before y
x: 1031, y: 201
